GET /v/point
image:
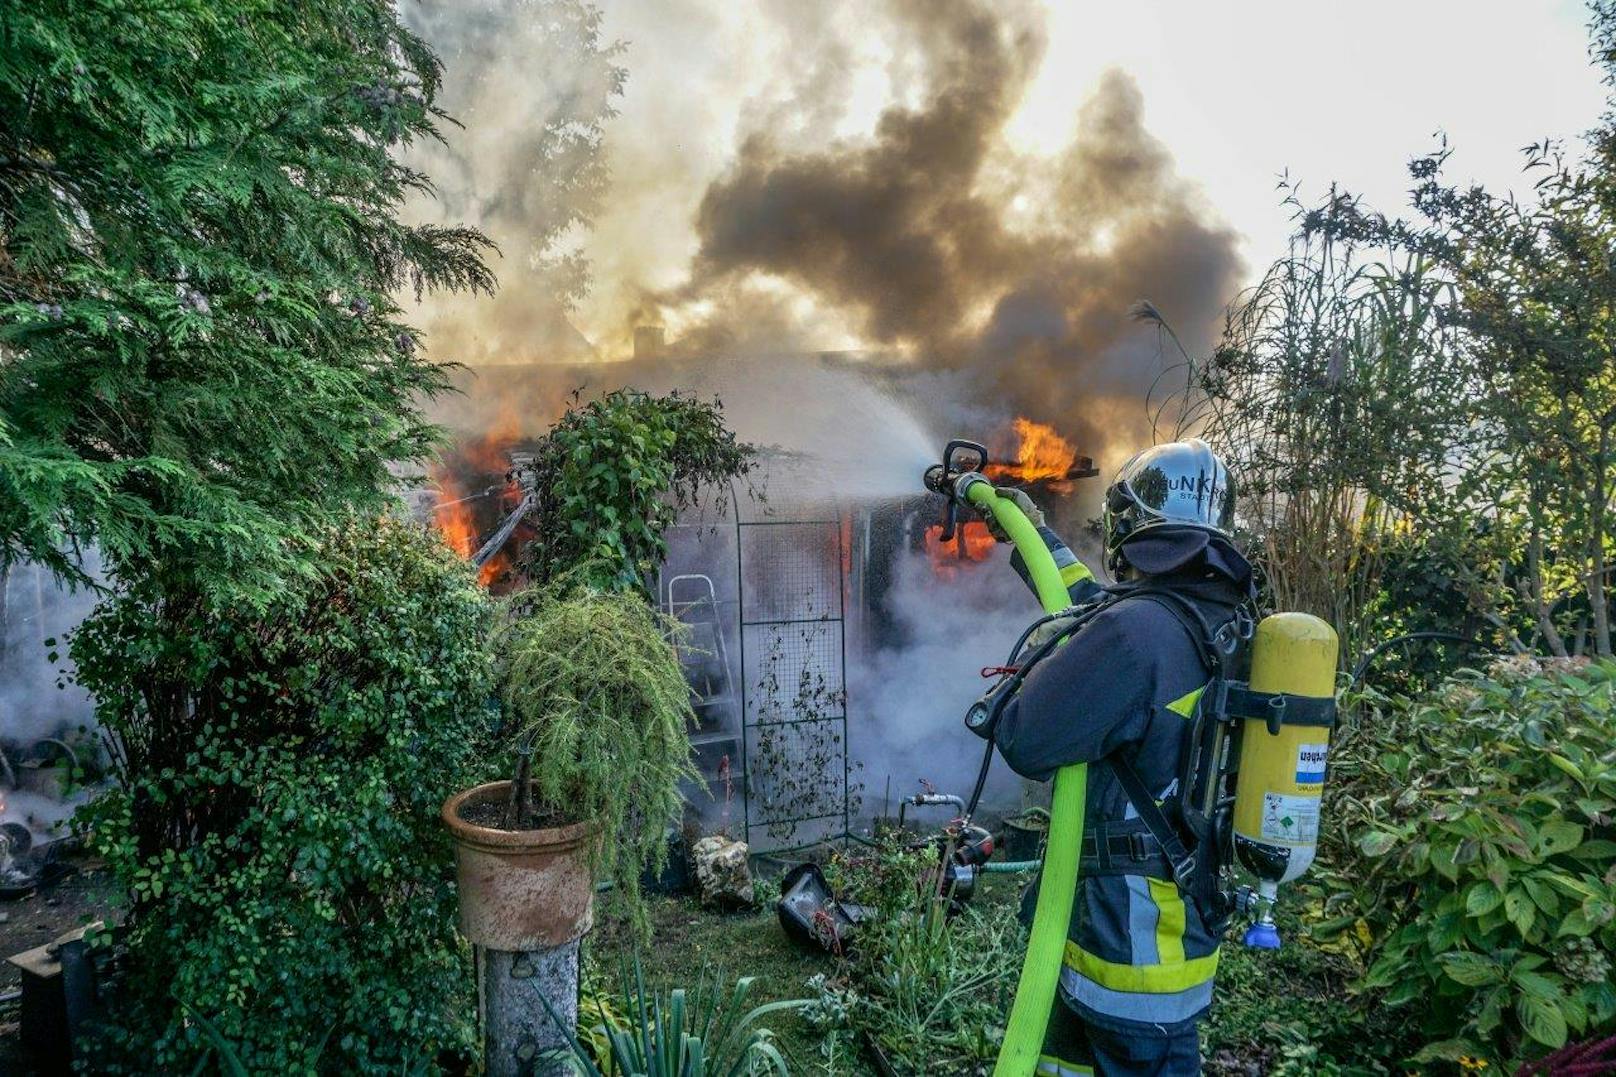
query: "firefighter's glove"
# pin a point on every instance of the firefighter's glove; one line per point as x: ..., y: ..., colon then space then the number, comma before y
x: 1022, y: 502
x: 1046, y: 632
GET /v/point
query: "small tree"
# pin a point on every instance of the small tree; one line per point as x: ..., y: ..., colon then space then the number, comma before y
x: 1536, y: 312
x: 1329, y: 397
x: 612, y: 475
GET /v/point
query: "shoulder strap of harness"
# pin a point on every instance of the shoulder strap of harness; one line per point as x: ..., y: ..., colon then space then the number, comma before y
x: 1216, y: 648
x: 1184, y: 862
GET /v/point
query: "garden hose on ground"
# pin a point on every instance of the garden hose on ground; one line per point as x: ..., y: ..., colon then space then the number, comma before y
x: 1010, y: 867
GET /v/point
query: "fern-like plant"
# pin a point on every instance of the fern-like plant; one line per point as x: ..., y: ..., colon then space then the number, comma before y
x: 597, y: 707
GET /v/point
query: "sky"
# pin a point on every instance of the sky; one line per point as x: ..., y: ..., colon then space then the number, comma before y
x: 1242, y: 91
x: 1238, y: 93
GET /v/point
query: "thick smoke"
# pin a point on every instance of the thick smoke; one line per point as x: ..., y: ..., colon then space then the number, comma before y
x: 907, y: 702
x: 935, y: 241
x: 789, y: 179
x: 808, y: 177
x: 530, y: 83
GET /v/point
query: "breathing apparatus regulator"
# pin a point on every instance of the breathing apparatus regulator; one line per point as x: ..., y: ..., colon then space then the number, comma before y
x: 1253, y: 769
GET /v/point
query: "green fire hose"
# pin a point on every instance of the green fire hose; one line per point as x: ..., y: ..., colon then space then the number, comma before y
x: 1040, y: 971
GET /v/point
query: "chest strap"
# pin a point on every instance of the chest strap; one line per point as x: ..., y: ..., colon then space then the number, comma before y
x: 1124, y: 847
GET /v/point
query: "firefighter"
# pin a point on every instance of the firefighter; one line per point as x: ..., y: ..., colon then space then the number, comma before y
x: 1137, y: 972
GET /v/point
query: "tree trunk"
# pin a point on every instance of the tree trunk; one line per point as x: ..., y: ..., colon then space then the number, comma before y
x: 1596, y: 539
x: 1540, y: 608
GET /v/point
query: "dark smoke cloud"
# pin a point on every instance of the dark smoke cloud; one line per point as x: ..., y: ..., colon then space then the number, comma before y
x: 931, y: 238
x: 923, y: 237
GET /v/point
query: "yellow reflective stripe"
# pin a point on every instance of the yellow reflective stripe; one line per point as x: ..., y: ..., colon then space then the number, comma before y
x: 1076, y: 572
x: 1169, y: 921
x: 1184, y: 705
x: 1142, y: 979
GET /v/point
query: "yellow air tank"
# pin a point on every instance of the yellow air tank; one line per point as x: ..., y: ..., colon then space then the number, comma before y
x: 1282, y: 757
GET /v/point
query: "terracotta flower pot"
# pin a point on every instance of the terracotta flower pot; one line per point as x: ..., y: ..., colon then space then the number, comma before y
x: 520, y: 889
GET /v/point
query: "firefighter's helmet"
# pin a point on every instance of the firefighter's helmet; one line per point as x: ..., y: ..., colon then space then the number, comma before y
x: 1179, y: 484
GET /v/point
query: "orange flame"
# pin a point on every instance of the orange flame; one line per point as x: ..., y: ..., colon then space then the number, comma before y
x: 456, y: 515
x: 1041, y: 453
x: 453, y: 518
x: 971, y: 543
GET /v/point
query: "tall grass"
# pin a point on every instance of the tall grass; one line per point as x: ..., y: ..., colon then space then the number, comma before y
x: 1329, y: 399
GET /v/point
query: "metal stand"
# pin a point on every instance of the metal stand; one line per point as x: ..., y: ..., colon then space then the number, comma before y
x: 519, y: 1037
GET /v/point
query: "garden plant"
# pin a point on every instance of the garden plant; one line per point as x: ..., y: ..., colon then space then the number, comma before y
x: 1473, y: 831
x: 596, y: 714
x: 679, y: 1032
x: 280, y: 840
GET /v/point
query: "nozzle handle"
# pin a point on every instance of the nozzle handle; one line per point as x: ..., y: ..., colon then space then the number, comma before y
x: 958, y: 444
x: 939, y: 478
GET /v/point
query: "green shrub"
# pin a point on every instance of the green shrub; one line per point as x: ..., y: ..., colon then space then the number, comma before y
x: 1474, y: 829
x: 930, y: 989
x: 591, y: 684
x: 612, y: 475
x: 276, y: 822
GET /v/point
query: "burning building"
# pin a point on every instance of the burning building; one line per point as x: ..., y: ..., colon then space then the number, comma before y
x: 832, y: 638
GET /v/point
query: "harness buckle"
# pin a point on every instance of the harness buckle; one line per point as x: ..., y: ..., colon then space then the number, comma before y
x: 1276, y: 713
x: 1137, y: 849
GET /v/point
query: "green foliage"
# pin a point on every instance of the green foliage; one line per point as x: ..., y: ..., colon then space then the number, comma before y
x: 1293, y: 1012
x: 929, y: 988
x: 612, y: 475
x: 678, y: 1032
x: 276, y: 820
x: 1427, y: 579
x: 1474, y: 829
x: 1330, y: 399
x: 202, y: 362
x: 590, y: 682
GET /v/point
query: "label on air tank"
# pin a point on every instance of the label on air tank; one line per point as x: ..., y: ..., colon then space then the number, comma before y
x: 1310, y: 763
x: 1294, y: 820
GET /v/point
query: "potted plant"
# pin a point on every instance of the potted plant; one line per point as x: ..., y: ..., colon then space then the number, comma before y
x: 597, y: 711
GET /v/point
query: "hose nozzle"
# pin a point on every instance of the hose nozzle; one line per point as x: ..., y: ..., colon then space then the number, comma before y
x: 941, y: 478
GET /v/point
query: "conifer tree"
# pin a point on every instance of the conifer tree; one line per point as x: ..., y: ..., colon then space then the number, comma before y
x: 201, y: 358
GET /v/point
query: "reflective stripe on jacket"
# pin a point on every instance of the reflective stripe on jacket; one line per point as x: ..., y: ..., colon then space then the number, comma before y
x: 1139, y: 958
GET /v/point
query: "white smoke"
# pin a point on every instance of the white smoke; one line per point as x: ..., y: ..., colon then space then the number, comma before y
x: 909, y: 700
x: 39, y: 700
x: 37, y: 696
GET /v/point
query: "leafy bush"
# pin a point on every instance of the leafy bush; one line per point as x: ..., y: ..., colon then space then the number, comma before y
x: 275, y: 822
x: 612, y: 475
x: 1476, y: 830
x: 594, y: 695
x: 1293, y: 1012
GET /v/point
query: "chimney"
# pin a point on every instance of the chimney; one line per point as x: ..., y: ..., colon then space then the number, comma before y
x: 648, y: 342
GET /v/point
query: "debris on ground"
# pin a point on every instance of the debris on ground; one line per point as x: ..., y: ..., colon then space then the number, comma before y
x: 723, y: 873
